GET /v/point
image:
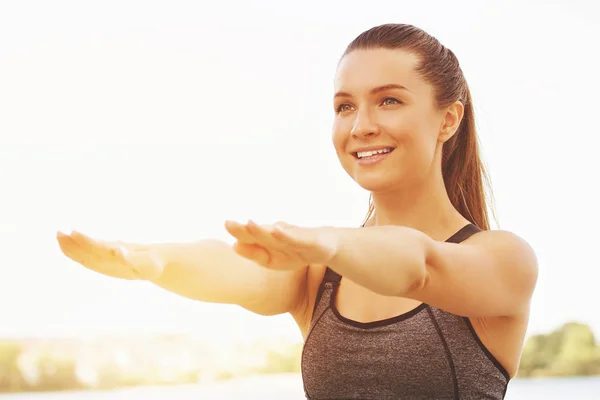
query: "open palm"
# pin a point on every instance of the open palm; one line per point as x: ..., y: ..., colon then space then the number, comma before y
x: 115, y: 259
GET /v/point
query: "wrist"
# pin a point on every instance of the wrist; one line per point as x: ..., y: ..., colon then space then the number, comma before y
x: 338, y: 241
x: 161, y: 257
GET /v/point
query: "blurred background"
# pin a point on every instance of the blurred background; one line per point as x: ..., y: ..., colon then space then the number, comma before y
x: 155, y: 121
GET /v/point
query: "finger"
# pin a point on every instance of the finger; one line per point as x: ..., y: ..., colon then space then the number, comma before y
x: 122, y: 245
x: 97, y: 247
x: 239, y: 231
x: 271, y: 259
x: 264, y: 236
x: 74, y: 251
x: 85, y: 242
x: 252, y: 252
x: 92, y: 260
x: 67, y: 246
x: 286, y: 235
x: 311, y: 245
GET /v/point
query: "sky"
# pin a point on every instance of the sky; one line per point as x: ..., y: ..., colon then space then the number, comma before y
x: 152, y: 121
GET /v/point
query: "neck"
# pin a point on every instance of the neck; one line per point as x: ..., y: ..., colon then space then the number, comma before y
x: 424, y: 207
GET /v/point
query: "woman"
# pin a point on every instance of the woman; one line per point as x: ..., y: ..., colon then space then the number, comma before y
x: 422, y: 302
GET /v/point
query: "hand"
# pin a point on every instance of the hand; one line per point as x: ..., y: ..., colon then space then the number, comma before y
x: 115, y: 259
x: 283, y: 246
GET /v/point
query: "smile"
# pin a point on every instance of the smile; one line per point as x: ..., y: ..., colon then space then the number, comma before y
x: 370, y: 157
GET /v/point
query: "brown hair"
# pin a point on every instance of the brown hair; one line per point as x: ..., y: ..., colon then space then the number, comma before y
x: 464, y: 174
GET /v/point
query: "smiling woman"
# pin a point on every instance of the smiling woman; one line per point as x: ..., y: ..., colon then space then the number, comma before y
x: 422, y: 302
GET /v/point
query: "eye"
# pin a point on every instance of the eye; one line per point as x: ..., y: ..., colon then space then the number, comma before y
x: 343, y: 107
x: 389, y: 101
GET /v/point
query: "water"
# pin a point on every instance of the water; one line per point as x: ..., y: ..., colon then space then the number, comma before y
x: 289, y: 387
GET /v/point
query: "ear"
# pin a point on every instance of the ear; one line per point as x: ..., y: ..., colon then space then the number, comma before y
x: 451, y: 118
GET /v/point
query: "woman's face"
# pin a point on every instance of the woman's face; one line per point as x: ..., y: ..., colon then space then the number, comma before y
x: 387, y: 127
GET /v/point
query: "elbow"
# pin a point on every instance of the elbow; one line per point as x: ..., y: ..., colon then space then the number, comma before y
x: 420, y: 280
x: 420, y: 271
x: 417, y: 280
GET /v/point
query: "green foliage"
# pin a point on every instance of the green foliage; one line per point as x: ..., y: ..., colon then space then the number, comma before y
x: 10, y: 374
x: 283, y: 361
x: 56, y: 372
x: 570, y: 350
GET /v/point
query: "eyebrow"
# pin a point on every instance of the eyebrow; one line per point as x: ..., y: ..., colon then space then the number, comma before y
x: 376, y: 90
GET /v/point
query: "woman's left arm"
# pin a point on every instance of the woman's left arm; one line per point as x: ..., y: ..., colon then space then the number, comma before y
x: 493, y: 273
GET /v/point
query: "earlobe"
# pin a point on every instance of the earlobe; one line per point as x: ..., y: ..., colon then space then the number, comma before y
x: 446, y: 134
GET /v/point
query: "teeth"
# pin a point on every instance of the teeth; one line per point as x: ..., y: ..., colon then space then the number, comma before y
x: 362, y: 154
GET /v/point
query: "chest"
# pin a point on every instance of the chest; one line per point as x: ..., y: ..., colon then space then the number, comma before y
x: 422, y: 353
x: 379, y: 360
x: 360, y: 305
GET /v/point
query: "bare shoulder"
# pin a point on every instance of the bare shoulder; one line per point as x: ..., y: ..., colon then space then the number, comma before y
x: 510, y: 251
x: 501, y: 239
x: 302, y: 314
x: 491, y: 273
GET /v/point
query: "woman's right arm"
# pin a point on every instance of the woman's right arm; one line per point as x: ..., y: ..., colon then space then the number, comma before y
x: 211, y: 271
x: 206, y: 270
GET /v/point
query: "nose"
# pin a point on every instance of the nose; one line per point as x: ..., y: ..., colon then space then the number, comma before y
x: 364, y: 125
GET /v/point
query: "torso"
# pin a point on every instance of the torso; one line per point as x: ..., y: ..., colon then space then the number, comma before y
x: 502, y: 337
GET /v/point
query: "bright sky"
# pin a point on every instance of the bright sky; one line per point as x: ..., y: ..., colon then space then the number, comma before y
x: 157, y: 121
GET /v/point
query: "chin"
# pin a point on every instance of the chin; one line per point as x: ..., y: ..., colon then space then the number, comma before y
x: 375, y: 182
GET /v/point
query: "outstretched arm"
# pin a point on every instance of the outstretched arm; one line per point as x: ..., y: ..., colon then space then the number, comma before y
x: 493, y: 273
x: 206, y: 270
x: 210, y: 270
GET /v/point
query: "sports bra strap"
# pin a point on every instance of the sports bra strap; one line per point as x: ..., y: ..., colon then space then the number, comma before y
x: 464, y: 233
x: 331, y: 276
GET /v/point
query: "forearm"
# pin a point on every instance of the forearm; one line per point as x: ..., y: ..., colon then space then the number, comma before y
x: 209, y: 270
x: 389, y: 260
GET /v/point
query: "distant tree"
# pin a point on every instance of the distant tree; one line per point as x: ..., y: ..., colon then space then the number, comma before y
x: 283, y: 361
x: 57, y: 373
x: 11, y: 379
x: 570, y: 350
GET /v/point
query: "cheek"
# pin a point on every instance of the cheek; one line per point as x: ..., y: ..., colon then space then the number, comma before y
x: 422, y: 151
x: 416, y: 146
x: 416, y: 132
x: 339, y: 138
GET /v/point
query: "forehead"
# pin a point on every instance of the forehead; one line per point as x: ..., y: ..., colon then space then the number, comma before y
x: 363, y: 70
